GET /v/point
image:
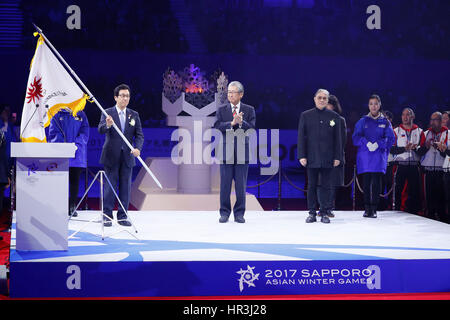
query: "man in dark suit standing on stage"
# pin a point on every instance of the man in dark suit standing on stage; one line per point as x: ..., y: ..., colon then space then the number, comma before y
x: 319, y: 150
x: 233, y: 120
x: 117, y: 158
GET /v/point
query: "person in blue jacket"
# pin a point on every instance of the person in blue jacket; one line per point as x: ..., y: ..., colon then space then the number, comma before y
x: 374, y: 136
x: 64, y: 127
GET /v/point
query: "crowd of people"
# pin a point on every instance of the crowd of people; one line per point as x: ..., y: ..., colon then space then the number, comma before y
x: 412, y: 161
x: 415, y: 158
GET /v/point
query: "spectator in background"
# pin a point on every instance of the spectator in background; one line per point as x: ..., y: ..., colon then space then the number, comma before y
x: 64, y: 127
x: 409, y: 139
x: 446, y: 119
x: 5, y: 169
x: 446, y: 168
x: 373, y: 135
x: 337, y: 173
x: 436, y: 138
x: 7, y: 128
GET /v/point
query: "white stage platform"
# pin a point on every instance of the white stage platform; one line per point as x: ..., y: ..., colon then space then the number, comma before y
x: 203, y: 257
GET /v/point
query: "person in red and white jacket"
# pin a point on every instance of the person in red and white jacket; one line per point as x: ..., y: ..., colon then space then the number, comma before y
x: 409, y: 138
x: 436, y: 138
x: 446, y: 165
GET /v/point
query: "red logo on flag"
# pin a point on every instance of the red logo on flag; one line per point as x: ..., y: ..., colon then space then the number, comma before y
x: 35, y: 90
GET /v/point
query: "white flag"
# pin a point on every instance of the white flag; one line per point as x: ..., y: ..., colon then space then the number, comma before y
x: 50, y: 88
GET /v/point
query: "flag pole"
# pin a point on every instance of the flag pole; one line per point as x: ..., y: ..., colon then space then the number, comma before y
x: 91, y: 96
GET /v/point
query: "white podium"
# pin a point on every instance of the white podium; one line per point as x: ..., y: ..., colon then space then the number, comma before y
x: 42, y: 195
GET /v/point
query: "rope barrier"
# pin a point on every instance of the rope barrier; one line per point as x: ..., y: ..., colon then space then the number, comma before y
x: 381, y: 195
x: 261, y: 183
x: 303, y: 190
x: 291, y: 183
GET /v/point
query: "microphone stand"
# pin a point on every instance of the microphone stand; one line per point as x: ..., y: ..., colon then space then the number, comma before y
x: 37, y: 107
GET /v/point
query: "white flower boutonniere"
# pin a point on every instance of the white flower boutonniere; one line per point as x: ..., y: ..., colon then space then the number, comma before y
x: 132, y: 122
x: 332, y: 123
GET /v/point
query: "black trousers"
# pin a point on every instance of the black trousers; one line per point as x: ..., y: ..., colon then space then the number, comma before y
x: 119, y: 174
x: 372, y: 189
x: 447, y: 193
x: 228, y: 173
x: 74, y: 184
x: 435, y: 195
x: 411, y: 174
x: 320, y: 195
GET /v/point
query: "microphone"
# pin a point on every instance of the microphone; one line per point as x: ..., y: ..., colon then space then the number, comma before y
x: 37, y: 107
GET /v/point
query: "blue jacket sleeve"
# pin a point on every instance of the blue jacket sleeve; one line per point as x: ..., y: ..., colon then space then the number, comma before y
x: 358, y: 137
x: 388, y: 137
x: 83, y: 135
x: 54, y: 132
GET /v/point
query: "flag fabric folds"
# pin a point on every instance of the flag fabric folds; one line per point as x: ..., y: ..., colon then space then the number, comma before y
x: 49, y: 89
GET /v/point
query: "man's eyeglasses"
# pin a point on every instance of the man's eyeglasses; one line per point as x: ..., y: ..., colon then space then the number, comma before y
x: 232, y: 92
x: 124, y: 95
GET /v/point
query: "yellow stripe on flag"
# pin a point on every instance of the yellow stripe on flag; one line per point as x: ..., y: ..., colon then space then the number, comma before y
x: 76, y: 106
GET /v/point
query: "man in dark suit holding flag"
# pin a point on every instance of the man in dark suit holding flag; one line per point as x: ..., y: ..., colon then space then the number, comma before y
x: 117, y: 158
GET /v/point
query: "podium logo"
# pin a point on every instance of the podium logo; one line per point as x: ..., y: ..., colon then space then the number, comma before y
x: 74, y: 280
x: 374, y: 280
x: 247, y: 277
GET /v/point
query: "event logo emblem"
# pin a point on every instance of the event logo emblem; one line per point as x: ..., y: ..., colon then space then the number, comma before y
x: 35, y: 90
x: 247, y: 276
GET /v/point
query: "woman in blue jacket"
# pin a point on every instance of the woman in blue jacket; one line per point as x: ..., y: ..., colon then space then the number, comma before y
x: 374, y: 137
x: 64, y: 127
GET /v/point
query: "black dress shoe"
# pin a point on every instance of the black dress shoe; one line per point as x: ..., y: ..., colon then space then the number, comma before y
x: 107, y: 223
x: 311, y: 218
x: 223, y: 219
x: 124, y: 223
x: 373, y: 214
x: 73, y: 214
x: 239, y: 219
x: 330, y: 214
x: 325, y: 219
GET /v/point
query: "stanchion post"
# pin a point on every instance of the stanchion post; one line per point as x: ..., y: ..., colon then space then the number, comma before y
x: 259, y: 187
x: 393, y: 189
x: 278, y: 208
x: 354, y: 187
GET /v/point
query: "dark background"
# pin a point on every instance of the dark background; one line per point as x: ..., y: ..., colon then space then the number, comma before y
x: 281, y: 50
